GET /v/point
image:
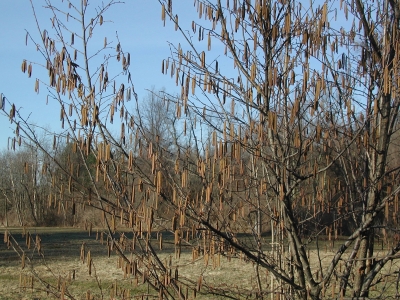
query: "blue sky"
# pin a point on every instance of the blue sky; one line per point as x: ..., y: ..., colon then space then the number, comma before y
x: 140, y: 31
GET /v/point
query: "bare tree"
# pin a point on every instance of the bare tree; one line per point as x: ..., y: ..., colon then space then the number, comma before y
x: 308, y: 98
x: 278, y: 142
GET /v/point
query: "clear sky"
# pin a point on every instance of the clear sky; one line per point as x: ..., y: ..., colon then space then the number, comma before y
x: 140, y: 31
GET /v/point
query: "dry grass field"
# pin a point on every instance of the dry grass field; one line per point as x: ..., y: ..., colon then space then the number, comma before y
x: 61, y: 265
x: 62, y: 268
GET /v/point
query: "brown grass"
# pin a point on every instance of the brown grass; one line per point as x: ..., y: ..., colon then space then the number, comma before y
x: 62, y: 268
x: 62, y: 264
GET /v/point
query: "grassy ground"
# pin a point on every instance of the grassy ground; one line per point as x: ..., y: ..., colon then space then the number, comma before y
x: 61, y: 267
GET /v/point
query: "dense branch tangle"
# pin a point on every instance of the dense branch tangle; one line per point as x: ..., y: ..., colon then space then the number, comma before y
x: 300, y: 106
x: 277, y: 142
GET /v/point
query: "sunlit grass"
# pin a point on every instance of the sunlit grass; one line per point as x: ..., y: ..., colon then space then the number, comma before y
x: 61, y: 265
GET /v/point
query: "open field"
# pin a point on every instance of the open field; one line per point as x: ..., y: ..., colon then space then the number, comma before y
x: 62, y: 268
x: 61, y: 264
